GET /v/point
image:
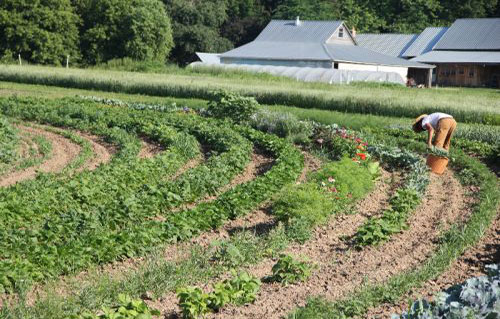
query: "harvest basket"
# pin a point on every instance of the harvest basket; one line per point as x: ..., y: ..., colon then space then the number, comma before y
x: 437, y: 163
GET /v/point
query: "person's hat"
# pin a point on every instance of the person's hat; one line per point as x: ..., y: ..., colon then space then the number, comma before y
x: 419, y: 118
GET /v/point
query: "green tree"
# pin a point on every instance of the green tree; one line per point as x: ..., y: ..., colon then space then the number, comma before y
x: 40, y: 31
x: 246, y: 18
x: 454, y: 9
x: 138, y: 29
x: 306, y: 10
x: 358, y: 15
x: 415, y: 15
x: 196, y: 27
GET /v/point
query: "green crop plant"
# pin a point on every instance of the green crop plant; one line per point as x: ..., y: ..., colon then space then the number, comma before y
x: 224, y: 104
x: 127, y: 308
x: 288, y: 270
x: 239, y: 290
x: 9, y: 140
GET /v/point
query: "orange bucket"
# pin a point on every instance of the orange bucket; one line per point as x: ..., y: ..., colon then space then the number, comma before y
x: 437, y: 163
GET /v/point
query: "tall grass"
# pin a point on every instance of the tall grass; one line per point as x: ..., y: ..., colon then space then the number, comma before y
x: 466, y: 105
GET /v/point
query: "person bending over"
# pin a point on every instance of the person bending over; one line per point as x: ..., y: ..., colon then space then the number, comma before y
x: 443, y: 124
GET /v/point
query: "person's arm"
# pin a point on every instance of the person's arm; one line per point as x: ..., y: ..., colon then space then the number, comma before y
x: 430, y: 132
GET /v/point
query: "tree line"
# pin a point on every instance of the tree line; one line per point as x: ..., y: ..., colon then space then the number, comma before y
x: 91, y: 32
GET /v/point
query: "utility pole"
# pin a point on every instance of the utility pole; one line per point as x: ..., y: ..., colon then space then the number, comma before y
x: 67, y: 61
x: 19, y: 57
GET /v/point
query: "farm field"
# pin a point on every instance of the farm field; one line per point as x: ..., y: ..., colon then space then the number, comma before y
x: 467, y: 105
x: 210, y: 205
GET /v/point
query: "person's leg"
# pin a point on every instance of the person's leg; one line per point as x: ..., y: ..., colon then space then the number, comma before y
x: 441, y: 132
x: 447, y: 141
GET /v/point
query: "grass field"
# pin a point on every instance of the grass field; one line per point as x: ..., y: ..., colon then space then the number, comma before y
x: 467, y: 105
x: 225, y: 210
x: 486, y: 133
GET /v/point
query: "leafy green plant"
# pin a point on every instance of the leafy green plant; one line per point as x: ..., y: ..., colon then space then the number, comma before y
x: 284, y: 125
x: 439, y: 152
x: 301, y: 207
x: 225, y: 104
x: 288, y: 270
x: 193, y: 302
x: 239, y: 290
x: 127, y: 308
x: 242, y: 288
x: 346, y: 179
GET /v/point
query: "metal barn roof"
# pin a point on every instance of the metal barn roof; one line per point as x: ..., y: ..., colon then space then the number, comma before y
x: 280, y: 51
x: 306, y: 31
x: 316, y: 52
x: 483, y: 57
x: 425, y: 41
x: 471, y: 34
x: 392, y: 44
x: 357, y: 54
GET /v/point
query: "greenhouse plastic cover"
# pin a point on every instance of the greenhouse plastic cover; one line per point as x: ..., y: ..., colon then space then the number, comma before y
x: 308, y: 74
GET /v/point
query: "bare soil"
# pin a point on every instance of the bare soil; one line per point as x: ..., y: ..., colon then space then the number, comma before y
x: 150, y: 149
x: 102, y: 151
x: 63, y: 152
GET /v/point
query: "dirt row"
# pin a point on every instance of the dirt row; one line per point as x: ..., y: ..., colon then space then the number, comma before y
x: 64, y: 151
x: 342, y: 267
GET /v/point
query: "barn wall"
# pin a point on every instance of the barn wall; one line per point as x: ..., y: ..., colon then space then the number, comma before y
x: 310, y: 64
x: 468, y: 75
x: 371, y: 67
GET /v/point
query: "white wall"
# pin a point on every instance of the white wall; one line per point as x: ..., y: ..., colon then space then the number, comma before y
x: 372, y: 67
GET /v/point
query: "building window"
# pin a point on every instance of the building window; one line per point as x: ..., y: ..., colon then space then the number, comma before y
x: 461, y: 71
x: 335, y: 65
x: 341, y: 33
x: 471, y: 74
x: 453, y: 72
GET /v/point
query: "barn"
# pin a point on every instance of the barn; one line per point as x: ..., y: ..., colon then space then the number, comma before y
x: 316, y: 44
x: 467, y: 54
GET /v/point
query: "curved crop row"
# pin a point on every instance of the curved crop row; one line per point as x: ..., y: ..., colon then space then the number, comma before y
x: 51, y: 234
x: 394, y: 220
x: 452, y: 244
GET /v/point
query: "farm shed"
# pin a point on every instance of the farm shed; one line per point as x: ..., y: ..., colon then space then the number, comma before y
x: 316, y: 44
x: 467, y: 54
x: 404, y: 46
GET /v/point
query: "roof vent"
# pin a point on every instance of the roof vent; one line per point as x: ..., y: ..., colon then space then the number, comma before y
x: 298, y: 22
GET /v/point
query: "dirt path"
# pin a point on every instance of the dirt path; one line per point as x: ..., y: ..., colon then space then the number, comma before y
x: 63, y: 152
x: 470, y: 264
x: 262, y: 221
x: 343, y: 268
x: 149, y: 149
x: 102, y: 152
